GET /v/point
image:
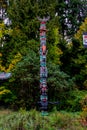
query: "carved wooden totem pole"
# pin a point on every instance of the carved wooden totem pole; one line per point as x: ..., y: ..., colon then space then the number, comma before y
x: 43, y: 68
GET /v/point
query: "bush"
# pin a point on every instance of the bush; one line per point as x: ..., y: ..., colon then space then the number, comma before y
x: 33, y: 120
x: 74, y: 101
x: 25, y: 83
x: 84, y: 107
x: 6, y: 96
x: 59, y: 85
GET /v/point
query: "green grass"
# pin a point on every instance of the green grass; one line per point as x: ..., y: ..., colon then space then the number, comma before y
x: 32, y: 120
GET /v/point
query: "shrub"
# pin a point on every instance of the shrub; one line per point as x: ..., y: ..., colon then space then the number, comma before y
x: 6, y: 95
x: 74, y: 101
x: 33, y: 120
x: 84, y: 107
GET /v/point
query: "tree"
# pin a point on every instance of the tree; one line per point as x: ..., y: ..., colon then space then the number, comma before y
x: 25, y: 24
x: 3, y: 8
x: 82, y: 59
x: 53, y: 39
x: 59, y: 85
x: 25, y: 81
x: 74, y: 57
x: 4, y: 33
x: 24, y: 17
x: 71, y: 14
x: 82, y: 29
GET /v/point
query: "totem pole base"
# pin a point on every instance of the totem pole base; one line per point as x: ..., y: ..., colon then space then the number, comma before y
x: 44, y: 113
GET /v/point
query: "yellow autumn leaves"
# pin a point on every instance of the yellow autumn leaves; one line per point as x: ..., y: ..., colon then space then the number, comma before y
x: 16, y: 59
x: 83, y: 28
x: 4, y: 30
x: 4, y: 91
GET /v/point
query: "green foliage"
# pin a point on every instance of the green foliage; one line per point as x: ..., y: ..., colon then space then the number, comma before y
x: 24, y: 40
x: 81, y: 60
x: 58, y: 79
x: 70, y: 10
x: 34, y: 121
x: 59, y: 85
x: 4, y: 33
x: 74, y: 101
x: 73, y: 61
x: 84, y: 109
x: 25, y: 80
x: 3, y: 8
x: 53, y: 39
x: 82, y: 29
x: 6, y: 95
x: 24, y: 16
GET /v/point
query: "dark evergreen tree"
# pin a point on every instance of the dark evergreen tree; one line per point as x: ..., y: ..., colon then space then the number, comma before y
x: 74, y: 61
x: 3, y: 9
x: 71, y: 14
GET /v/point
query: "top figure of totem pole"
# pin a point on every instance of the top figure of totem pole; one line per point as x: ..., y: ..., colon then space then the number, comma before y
x: 43, y: 68
x: 44, y: 19
x: 43, y: 23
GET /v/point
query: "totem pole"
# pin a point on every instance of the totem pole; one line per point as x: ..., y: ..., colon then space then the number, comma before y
x: 43, y: 68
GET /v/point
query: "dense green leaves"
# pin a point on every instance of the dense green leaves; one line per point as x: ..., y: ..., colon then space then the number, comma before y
x: 26, y: 80
x: 71, y: 14
x: 59, y: 85
x: 66, y: 62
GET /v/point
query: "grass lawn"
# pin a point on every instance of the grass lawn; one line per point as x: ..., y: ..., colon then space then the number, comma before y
x: 32, y: 120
